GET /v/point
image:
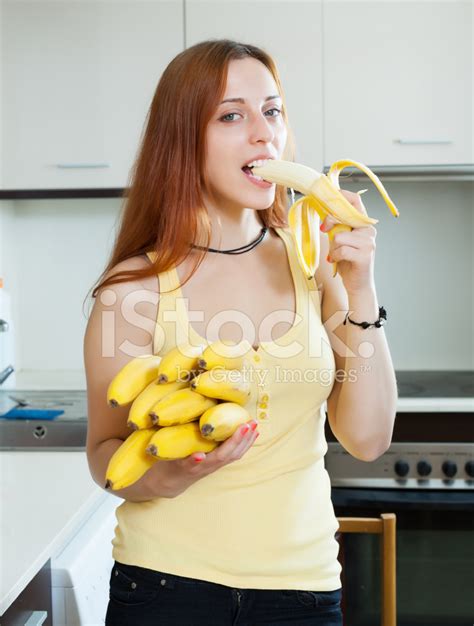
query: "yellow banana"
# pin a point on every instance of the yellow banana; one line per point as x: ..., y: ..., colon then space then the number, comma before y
x: 180, y: 407
x: 139, y: 415
x: 220, y: 422
x: 303, y: 222
x: 177, y: 442
x: 224, y: 353
x: 321, y: 195
x: 224, y: 384
x: 130, y: 461
x: 179, y: 362
x: 132, y: 379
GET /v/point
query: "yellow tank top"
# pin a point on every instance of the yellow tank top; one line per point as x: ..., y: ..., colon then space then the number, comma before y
x: 265, y: 521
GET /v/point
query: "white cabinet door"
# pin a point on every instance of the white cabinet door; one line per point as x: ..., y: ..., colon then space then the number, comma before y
x: 398, y: 81
x: 78, y: 79
x: 291, y: 33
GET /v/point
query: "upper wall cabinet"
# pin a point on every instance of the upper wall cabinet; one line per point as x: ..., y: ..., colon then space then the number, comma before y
x: 398, y: 82
x: 291, y: 33
x: 78, y: 80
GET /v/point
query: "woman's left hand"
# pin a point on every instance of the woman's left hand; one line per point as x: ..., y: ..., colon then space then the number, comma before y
x: 354, y: 250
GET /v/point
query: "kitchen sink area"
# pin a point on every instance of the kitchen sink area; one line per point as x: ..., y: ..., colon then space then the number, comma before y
x: 43, y: 419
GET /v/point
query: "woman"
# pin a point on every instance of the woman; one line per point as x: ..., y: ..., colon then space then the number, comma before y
x: 244, y: 534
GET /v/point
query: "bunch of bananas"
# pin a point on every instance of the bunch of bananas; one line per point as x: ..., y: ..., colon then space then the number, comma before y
x: 321, y: 197
x: 187, y: 401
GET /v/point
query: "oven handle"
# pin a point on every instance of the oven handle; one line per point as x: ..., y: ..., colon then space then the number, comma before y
x: 404, y: 499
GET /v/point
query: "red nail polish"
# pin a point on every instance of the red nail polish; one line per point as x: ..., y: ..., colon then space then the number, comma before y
x: 322, y: 227
x: 244, y: 429
x: 328, y: 259
x: 198, y: 459
x: 254, y: 426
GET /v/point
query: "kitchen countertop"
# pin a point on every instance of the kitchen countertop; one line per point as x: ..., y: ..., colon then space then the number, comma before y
x: 419, y: 391
x: 46, y: 379
x: 437, y: 405
x: 436, y: 380
x: 45, y: 497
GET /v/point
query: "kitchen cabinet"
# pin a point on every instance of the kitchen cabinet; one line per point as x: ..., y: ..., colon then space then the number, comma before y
x: 34, y: 604
x: 80, y: 574
x: 398, y: 81
x: 78, y: 79
x: 50, y: 495
x: 385, y: 83
x: 291, y: 33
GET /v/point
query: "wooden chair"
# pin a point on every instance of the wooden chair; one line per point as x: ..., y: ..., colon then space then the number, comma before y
x: 385, y: 525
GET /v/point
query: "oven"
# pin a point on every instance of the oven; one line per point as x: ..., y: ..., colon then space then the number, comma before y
x: 427, y: 479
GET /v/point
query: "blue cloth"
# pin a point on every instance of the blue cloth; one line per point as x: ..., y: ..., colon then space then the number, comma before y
x: 31, y: 414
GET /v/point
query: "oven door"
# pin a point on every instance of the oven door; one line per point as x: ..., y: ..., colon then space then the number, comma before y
x: 435, y: 556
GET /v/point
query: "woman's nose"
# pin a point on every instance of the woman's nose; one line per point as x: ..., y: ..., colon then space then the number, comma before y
x: 261, y: 129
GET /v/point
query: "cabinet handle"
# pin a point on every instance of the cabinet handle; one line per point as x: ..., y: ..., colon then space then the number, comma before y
x: 71, y: 166
x: 420, y: 142
x: 36, y: 618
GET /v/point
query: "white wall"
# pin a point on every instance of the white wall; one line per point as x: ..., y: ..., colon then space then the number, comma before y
x: 55, y: 250
x: 52, y: 251
x: 1, y: 98
x: 7, y: 215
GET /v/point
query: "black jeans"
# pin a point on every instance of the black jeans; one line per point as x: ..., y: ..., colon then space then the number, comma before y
x: 141, y: 597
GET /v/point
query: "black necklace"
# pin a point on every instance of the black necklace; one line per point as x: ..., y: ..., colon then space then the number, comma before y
x: 240, y: 250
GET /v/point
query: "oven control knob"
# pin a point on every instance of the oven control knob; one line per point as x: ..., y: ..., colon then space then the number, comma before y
x: 469, y: 467
x: 450, y: 468
x: 401, y: 468
x: 424, y: 468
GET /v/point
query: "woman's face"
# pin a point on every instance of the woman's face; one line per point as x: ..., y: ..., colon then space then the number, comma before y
x: 239, y: 132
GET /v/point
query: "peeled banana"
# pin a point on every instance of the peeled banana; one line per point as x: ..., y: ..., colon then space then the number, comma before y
x: 179, y: 363
x: 303, y: 222
x: 130, y: 461
x: 224, y: 384
x: 139, y: 414
x: 224, y: 353
x: 132, y: 379
x: 221, y: 421
x: 321, y: 196
x: 177, y: 442
x: 180, y: 407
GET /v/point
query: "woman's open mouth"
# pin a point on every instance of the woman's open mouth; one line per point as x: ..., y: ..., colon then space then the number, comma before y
x: 256, y: 180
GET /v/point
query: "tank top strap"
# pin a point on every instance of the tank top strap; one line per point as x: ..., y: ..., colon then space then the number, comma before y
x: 169, y: 279
x: 171, y: 321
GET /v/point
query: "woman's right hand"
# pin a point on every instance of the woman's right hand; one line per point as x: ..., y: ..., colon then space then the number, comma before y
x: 180, y: 474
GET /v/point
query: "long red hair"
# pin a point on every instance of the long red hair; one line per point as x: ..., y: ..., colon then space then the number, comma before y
x: 164, y: 209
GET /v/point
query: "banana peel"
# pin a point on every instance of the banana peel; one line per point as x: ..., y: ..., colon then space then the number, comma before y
x: 321, y: 197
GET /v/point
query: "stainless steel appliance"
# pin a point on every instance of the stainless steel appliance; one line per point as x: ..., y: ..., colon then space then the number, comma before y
x: 427, y: 479
x: 65, y: 432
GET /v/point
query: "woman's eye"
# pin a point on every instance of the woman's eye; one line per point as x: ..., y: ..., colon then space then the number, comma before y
x: 223, y: 118
x: 227, y: 115
x: 277, y: 110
